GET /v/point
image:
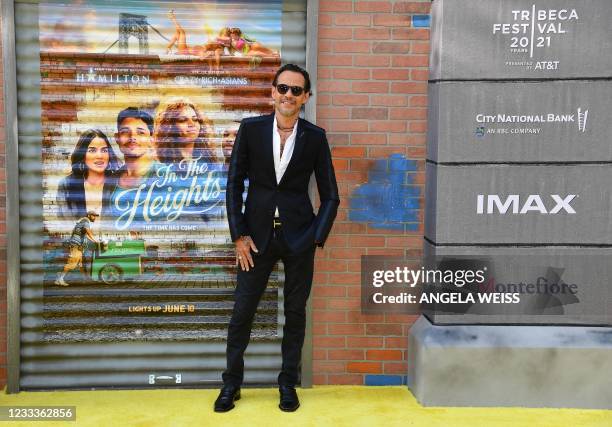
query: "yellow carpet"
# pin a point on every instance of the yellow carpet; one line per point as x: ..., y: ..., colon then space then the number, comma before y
x: 321, y: 406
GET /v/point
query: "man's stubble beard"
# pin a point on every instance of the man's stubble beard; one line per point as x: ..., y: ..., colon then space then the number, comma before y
x: 133, y: 156
x: 286, y: 113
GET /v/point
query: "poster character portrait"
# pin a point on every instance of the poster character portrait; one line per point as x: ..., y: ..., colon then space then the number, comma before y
x: 227, y: 143
x: 181, y: 134
x: 134, y: 136
x: 183, y: 140
x: 93, y: 164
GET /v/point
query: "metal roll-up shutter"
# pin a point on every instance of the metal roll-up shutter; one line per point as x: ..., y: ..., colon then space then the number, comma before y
x: 150, y: 304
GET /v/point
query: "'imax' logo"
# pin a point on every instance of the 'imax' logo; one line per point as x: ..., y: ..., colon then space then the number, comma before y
x: 513, y: 203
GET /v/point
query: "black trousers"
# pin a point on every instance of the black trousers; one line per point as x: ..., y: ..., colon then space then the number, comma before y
x: 249, y: 289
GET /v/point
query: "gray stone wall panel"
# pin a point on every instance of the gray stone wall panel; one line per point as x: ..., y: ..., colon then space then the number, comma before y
x: 465, y: 45
x: 520, y: 366
x: 452, y: 204
x: 586, y: 298
x: 556, y: 121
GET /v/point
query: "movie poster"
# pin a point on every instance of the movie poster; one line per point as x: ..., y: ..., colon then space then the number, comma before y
x: 140, y: 105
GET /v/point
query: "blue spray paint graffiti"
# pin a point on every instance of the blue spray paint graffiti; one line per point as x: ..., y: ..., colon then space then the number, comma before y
x: 420, y: 21
x: 389, y: 199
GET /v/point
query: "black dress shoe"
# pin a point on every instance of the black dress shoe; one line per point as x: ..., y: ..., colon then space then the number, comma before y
x: 289, y: 401
x: 227, y: 396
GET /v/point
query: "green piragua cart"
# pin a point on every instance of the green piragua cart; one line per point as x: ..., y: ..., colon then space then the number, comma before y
x: 118, y: 261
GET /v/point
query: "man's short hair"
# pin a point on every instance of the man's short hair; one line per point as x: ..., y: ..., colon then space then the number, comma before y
x: 135, y: 113
x: 296, y: 69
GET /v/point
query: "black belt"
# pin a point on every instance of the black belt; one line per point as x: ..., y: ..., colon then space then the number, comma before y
x: 276, y: 222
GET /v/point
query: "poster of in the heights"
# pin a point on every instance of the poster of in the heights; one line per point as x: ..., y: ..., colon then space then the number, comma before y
x: 140, y: 103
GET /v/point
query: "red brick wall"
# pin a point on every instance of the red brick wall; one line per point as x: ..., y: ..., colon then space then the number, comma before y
x: 3, y: 328
x: 372, y: 100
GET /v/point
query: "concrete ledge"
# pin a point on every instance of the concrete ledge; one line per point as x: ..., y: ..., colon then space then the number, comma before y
x: 525, y: 366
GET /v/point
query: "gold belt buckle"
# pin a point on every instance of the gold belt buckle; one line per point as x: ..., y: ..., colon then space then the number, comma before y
x: 277, y: 223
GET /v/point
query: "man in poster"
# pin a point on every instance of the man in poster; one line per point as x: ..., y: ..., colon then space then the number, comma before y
x: 135, y: 139
x: 134, y: 136
x: 278, y: 154
x: 76, y: 246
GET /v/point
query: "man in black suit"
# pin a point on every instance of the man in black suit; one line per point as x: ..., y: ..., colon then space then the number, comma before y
x: 278, y: 154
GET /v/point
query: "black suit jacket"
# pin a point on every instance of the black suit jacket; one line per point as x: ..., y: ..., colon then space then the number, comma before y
x: 252, y: 158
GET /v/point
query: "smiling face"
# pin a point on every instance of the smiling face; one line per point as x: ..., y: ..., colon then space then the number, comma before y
x: 97, y: 156
x: 288, y: 104
x: 187, y: 125
x: 134, y: 138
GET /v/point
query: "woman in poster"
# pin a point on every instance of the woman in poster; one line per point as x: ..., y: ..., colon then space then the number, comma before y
x: 181, y: 134
x: 247, y: 47
x: 191, y: 168
x: 93, y: 163
x: 213, y: 48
